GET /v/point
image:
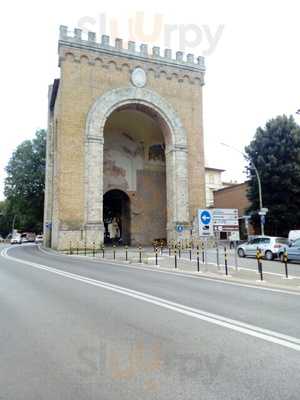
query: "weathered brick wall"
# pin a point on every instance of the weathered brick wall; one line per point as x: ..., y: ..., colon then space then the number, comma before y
x: 233, y: 197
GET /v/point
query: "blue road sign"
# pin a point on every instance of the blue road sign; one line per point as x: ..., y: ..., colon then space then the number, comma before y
x: 179, y: 228
x: 205, y: 223
x: 205, y: 217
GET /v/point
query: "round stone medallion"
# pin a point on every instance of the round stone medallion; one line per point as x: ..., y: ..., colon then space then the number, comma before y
x: 138, y: 77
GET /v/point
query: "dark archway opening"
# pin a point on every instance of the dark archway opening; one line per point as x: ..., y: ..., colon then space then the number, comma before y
x: 134, y: 162
x: 116, y: 217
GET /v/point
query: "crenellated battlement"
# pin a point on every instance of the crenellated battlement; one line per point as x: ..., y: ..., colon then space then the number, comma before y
x: 77, y: 39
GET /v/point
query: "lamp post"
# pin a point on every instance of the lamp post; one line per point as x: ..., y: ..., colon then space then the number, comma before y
x: 262, y: 211
x: 13, y: 225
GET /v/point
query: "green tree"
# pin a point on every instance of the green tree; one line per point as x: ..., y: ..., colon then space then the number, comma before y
x: 275, y: 150
x: 5, y: 219
x: 25, y: 182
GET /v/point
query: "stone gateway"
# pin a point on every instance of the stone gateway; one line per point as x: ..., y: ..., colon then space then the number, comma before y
x: 125, y: 153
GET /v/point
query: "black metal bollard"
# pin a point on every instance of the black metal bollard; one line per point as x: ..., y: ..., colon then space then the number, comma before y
x: 179, y: 250
x: 175, y: 257
x: 103, y: 251
x: 140, y: 252
x: 114, y: 251
x: 257, y: 258
x: 259, y: 263
x: 261, y: 270
x: 225, y: 260
x: 169, y: 249
x: 85, y: 248
x: 126, y: 253
x: 77, y: 249
x: 156, y: 260
x: 190, y: 251
x: 285, y: 260
x: 203, y: 255
x: 198, y: 259
x: 94, y: 249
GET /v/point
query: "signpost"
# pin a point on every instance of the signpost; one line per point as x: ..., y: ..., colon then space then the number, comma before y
x: 226, y: 219
x: 213, y: 221
x: 205, y: 223
x: 219, y: 220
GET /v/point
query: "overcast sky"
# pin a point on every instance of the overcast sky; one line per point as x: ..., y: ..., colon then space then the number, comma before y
x: 251, y: 49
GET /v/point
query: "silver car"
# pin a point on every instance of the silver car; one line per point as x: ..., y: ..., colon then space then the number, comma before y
x: 293, y: 251
x: 270, y: 246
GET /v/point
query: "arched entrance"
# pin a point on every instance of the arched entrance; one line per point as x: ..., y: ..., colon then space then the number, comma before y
x: 174, y: 145
x: 134, y: 163
x: 116, y: 217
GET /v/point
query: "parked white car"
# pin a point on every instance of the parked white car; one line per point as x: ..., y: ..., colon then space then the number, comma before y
x: 16, y: 240
x: 270, y: 246
x: 39, y: 239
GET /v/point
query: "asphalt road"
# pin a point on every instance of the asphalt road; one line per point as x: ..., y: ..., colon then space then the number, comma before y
x: 71, y: 328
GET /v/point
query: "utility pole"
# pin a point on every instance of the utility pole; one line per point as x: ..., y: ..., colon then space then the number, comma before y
x: 13, y: 225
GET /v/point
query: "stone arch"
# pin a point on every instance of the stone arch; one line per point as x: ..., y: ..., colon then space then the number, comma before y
x: 176, y: 154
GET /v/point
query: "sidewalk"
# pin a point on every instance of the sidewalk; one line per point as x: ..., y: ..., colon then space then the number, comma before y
x: 185, y: 266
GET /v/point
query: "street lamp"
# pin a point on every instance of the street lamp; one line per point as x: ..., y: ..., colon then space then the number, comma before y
x: 262, y: 211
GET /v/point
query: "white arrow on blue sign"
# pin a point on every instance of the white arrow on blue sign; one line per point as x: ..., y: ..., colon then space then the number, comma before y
x: 205, y: 217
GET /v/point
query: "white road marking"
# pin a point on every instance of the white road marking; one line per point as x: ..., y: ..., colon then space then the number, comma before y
x: 238, y: 326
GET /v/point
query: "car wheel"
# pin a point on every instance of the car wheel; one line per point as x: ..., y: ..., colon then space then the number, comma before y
x: 241, y: 253
x: 269, y: 255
